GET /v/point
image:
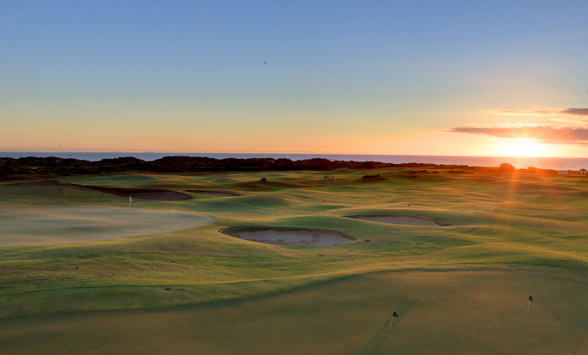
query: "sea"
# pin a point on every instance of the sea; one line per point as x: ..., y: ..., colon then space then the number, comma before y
x: 489, y: 161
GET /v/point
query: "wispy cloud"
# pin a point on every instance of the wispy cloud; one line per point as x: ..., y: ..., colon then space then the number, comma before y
x: 575, y: 111
x: 522, y: 113
x: 567, y: 111
x: 541, y: 133
x: 571, y: 126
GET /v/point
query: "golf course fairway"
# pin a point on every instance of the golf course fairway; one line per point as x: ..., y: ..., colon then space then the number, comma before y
x: 481, y: 312
x: 80, y: 272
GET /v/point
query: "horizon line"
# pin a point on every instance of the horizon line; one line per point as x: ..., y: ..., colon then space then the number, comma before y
x: 278, y: 153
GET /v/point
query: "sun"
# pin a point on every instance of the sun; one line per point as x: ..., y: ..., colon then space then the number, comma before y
x: 523, y: 147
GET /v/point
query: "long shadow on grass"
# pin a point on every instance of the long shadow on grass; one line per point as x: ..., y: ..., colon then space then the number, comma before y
x: 382, y: 333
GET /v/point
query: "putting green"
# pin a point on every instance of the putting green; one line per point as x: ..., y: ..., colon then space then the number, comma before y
x: 481, y: 312
x: 39, y: 226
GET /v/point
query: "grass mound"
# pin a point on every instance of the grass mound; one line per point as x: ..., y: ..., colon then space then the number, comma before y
x: 396, y: 219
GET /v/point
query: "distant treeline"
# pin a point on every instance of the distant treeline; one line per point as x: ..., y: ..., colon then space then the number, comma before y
x: 184, y: 164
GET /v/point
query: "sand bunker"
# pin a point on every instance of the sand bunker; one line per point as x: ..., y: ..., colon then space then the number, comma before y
x: 402, y: 220
x: 212, y: 193
x: 289, y: 236
x: 39, y: 226
x: 143, y: 194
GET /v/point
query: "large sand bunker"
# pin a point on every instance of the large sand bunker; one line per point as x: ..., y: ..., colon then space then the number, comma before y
x: 402, y: 220
x: 289, y: 236
x: 38, y: 226
x: 143, y: 194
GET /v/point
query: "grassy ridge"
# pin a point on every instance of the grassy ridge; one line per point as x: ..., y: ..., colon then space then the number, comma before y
x: 493, y: 220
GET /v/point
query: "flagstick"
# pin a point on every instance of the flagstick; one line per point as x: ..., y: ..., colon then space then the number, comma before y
x: 528, y: 304
x: 391, y: 321
x: 130, y: 199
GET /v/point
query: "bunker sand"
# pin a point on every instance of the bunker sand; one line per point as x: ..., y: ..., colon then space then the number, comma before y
x: 349, y: 316
x: 144, y: 194
x: 39, y: 226
x: 321, y: 238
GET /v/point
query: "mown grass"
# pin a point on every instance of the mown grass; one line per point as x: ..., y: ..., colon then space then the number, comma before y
x: 479, y: 312
x: 502, y: 219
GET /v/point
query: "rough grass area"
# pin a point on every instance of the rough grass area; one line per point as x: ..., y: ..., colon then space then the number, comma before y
x: 499, y: 220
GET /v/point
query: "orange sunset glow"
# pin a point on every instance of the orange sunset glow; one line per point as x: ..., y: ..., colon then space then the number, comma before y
x: 524, y: 147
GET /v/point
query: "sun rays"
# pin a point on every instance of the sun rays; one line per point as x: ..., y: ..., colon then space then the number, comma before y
x: 523, y: 147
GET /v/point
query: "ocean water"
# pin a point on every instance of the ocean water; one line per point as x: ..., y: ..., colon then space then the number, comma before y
x: 519, y: 162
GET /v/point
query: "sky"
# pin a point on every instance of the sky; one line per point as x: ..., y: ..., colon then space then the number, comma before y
x: 497, y: 78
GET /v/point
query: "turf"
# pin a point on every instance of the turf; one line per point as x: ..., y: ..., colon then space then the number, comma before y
x: 41, y: 226
x: 481, y: 312
x: 493, y: 220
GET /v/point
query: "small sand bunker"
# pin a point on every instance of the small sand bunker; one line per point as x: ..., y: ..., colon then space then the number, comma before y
x: 402, y: 220
x: 143, y: 194
x: 289, y: 236
x: 212, y: 193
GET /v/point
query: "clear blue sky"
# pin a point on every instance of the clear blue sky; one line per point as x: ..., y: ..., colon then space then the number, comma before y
x: 388, y: 77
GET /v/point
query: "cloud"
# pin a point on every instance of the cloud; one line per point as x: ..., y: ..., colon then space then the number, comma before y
x: 567, y: 111
x: 575, y: 111
x: 571, y: 127
x: 522, y: 113
x: 541, y: 133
